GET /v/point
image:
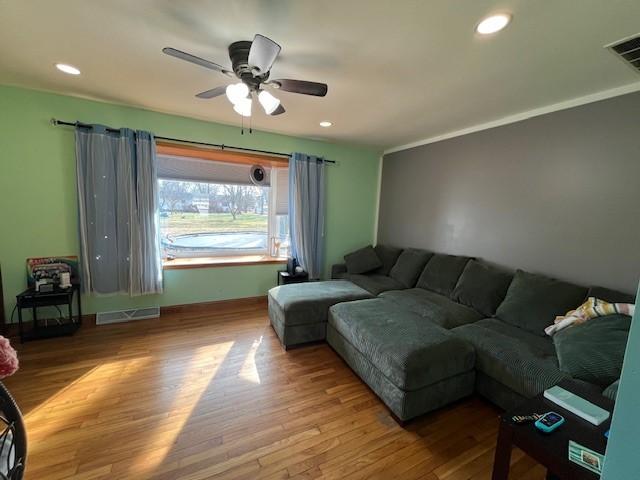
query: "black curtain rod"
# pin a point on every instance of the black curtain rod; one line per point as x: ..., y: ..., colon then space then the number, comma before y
x: 221, y: 146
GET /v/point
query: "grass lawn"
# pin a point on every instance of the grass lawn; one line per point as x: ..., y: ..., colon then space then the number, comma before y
x: 180, y: 223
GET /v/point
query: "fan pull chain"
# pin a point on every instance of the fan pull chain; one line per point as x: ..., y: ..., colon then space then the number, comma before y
x: 242, y: 126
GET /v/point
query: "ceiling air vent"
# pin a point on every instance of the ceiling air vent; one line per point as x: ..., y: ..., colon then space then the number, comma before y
x: 628, y: 50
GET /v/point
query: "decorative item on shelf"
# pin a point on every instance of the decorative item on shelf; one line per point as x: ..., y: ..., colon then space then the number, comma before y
x: 45, y: 274
x: 276, y: 242
x: 291, y: 265
x: 13, y: 438
x: 65, y: 280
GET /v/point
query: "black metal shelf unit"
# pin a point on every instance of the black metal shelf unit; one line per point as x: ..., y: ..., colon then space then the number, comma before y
x: 31, y: 299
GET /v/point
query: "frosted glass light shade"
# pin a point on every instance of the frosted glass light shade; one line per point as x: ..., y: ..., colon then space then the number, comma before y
x: 237, y: 92
x: 268, y: 102
x: 243, y: 107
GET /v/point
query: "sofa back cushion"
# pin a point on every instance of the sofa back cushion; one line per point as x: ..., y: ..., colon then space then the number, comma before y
x: 362, y: 261
x: 593, y: 351
x: 388, y: 256
x: 442, y: 273
x: 482, y: 287
x: 611, y: 296
x: 533, y: 301
x: 409, y: 265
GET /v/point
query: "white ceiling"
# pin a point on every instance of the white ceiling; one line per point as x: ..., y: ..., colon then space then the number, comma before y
x: 398, y: 71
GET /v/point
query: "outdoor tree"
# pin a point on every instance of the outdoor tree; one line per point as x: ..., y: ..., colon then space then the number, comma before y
x: 174, y: 194
x: 234, y: 197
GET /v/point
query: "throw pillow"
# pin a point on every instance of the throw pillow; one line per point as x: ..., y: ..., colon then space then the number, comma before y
x: 442, y: 273
x: 533, y: 301
x: 482, y: 287
x: 362, y: 261
x: 593, y: 351
x: 409, y: 265
x: 388, y: 256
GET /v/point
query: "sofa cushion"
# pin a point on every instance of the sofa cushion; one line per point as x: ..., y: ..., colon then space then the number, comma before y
x: 304, y: 303
x: 388, y: 256
x: 362, y: 261
x: 442, y: 273
x: 482, y: 287
x: 409, y: 265
x: 533, y: 301
x: 611, y: 296
x: 376, y: 284
x: 433, y: 306
x: 407, y: 349
x: 524, y: 362
x: 594, y: 351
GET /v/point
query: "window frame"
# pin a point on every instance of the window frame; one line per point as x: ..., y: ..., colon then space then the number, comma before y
x: 229, y: 257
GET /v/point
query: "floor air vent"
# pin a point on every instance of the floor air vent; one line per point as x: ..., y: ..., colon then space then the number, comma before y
x: 628, y: 50
x: 103, y: 318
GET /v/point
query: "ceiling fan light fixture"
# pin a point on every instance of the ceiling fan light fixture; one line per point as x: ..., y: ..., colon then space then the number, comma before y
x: 237, y: 92
x: 243, y: 107
x: 268, y: 102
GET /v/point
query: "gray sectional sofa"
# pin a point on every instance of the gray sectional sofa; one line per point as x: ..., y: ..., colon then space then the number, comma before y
x: 424, y: 329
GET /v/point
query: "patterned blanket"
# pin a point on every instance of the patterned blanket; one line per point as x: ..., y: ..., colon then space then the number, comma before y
x: 592, y: 308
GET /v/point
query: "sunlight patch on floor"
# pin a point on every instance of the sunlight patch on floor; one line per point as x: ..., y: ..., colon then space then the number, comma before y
x: 203, y: 366
x: 249, y: 370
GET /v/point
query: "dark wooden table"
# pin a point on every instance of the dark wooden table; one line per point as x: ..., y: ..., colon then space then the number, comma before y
x: 551, y: 450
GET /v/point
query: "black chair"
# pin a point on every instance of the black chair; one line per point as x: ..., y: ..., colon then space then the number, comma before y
x: 13, y: 438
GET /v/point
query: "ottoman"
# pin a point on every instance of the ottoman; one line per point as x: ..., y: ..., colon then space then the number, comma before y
x: 298, y: 312
x: 412, y: 364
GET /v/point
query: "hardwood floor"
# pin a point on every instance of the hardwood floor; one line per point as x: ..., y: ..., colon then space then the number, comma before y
x: 211, y: 394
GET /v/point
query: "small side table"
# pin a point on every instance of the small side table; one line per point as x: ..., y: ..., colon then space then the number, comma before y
x: 551, y: 450
x: 59, y: 297
x: 285, y: 278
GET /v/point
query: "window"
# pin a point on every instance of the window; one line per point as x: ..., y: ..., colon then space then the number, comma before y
x: 210, y: 208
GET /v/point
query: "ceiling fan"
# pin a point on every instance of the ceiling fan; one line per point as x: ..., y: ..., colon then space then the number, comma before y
x: 251, y: 63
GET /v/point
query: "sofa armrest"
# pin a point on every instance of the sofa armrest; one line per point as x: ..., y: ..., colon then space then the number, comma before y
x: 338, y: 270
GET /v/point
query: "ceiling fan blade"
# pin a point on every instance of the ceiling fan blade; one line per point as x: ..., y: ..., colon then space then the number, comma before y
x: 263, y: 53
x: 193, y: 59
x: 278, y: 111
x: 301, y: 86
x: 214, y: 92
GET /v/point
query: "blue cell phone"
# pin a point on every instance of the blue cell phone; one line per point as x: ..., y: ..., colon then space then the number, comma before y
x: 549, y: 422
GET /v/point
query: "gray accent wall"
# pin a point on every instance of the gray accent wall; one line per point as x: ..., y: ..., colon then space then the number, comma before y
x: 557, y: 194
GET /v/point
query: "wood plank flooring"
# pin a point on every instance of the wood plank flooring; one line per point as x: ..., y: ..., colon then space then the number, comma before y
x: 209, y: 393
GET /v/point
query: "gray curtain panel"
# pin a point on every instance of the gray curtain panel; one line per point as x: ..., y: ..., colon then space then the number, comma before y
x: 306, y: 212
x: 118, y: 211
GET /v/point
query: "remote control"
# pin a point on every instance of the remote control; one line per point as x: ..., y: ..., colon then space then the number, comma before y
x: 519, y: 419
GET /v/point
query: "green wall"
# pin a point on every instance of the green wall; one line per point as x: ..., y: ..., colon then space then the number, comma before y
x: 38, y: 193
x: 621, y: 460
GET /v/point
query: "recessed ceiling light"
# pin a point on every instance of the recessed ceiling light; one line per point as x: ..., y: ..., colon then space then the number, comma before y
x: 325, y: 124
x: 70, y: 69
x: 493, y: 23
